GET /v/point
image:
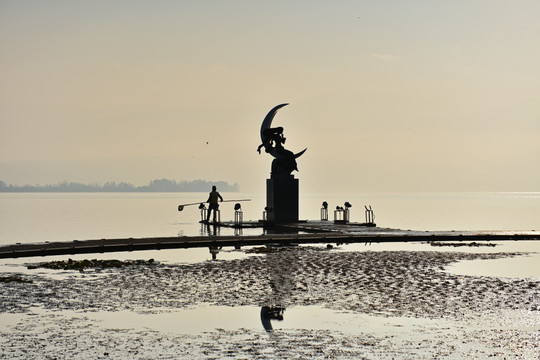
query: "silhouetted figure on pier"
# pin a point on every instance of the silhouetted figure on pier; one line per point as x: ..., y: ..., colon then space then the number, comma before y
x: 213, y: 203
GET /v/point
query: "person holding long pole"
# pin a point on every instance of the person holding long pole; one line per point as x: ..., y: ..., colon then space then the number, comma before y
x: 213, y: 203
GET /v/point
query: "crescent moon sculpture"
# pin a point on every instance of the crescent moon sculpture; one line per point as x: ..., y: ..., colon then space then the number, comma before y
x: 272, y: 140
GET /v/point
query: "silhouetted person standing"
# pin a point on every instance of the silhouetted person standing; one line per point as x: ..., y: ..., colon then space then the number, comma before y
x: 213, y: 201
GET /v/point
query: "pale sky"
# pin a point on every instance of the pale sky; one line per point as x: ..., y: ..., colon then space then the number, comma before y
x: 386, y: 95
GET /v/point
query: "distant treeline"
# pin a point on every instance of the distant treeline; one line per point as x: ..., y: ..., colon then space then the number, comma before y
x: 158, y: 185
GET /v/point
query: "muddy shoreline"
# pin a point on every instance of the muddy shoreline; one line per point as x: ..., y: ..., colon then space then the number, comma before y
x: 387, y: 284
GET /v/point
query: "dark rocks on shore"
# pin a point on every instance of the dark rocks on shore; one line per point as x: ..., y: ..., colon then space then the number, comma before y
x: 8, y: 279
x: 458, y: 244
x: 84, y: 264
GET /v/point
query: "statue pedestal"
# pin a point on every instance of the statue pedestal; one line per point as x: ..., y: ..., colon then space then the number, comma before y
x: 282, y: 199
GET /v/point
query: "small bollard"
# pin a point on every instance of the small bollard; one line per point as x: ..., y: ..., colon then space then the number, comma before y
x: 339, y: 215
x: 203, y: 212
x: 342, y: 214
x: 370, y: 217
x: 346, y: 215
x: 265, y: 214
x: 324, y: 211
x: 238, y: 215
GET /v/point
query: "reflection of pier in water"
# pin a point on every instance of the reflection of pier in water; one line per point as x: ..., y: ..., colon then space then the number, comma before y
x: 298, y: 233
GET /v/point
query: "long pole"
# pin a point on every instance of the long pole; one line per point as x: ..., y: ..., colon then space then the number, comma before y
x: 181, y: 207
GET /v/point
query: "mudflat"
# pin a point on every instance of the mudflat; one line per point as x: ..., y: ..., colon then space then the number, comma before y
x: 424, y: 311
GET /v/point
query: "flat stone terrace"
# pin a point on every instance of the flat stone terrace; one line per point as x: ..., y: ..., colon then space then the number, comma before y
x: 307, y: 232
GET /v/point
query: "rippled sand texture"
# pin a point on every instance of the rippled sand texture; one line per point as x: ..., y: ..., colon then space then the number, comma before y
x: 468, y: 316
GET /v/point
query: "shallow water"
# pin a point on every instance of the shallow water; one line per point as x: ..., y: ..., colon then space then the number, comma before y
x: 527, y: 266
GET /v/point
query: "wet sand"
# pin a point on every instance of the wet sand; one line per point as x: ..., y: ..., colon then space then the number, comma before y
x: 426, y: 311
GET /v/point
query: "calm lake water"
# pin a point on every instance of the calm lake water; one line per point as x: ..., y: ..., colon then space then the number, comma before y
x: 39, y: 217
x: 35, y: 217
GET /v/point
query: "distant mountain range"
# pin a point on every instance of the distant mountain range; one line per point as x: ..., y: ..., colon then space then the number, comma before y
x: 158, y: 185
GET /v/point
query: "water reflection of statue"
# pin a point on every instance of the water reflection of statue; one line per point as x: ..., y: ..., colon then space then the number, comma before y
x: 271, y: 313
x: 272, y: 140
x: 281, y: 269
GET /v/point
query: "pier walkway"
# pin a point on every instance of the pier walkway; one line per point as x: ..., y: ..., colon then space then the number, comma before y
x: 309, y: 232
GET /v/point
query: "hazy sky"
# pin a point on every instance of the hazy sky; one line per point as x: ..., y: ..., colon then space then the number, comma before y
x: 386, y: 95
